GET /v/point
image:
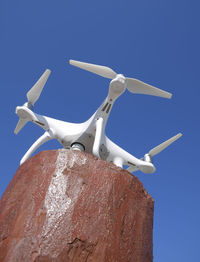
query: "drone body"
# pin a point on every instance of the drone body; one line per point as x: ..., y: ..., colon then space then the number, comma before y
x: 90, y: 135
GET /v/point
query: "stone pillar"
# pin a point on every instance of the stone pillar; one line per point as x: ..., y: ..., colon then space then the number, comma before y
x: 64, y: 205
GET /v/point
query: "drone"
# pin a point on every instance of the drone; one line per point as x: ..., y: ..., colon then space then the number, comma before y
x: 90, y: 136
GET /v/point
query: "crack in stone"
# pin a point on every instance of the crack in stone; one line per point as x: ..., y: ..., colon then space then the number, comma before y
x: 80, y: 248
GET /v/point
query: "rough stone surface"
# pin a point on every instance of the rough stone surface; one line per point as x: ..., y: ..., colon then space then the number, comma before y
x: 66, y: 205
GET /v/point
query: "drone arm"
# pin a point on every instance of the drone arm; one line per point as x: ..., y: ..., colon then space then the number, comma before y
x: 120, y: 157
x: 98, y: 137
x: 41, y: 140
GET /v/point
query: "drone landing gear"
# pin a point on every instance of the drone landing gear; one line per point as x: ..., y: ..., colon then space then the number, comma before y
x: 41, y: 140
x: 98, y: 137
x: 118, y: 161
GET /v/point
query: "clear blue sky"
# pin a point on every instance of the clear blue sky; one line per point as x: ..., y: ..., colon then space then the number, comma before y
x: 154, y: 41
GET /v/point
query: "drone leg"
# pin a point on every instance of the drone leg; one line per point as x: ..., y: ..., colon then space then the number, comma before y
x: 118, y: 161
x: 41, y: 140
x: 98, y: 136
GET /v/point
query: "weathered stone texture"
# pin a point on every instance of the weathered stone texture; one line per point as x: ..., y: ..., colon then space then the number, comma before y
x: 69, y: 206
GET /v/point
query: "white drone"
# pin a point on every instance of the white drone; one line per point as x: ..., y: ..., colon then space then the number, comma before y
x: 90, y: 135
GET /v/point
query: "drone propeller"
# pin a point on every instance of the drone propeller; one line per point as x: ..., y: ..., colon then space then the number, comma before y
x: 133, y: 85
x: 34, y: 93
x: 96, y: 69
x: 156, y: 150
x: 21, y: 123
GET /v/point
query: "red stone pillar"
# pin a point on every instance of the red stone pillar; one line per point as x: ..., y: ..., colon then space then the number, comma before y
x: 66, y: 205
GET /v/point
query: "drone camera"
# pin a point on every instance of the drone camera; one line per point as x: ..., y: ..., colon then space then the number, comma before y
x: 78, y: 147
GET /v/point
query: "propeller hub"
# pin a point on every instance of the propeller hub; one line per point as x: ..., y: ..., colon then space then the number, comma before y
x: 21, y: 112
x: 117, y: 86
x: 147, y: 158
x: 28, y: 105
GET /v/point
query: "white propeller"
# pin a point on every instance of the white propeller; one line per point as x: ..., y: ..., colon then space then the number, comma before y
x: 133, y: 85
x: 139, y: 87
x: 96, y: 69
x: 34, y: 93
x: 21, y: 123
x: 156, y: 150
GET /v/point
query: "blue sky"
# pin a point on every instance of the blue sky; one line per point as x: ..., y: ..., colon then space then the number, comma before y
x: 154, y: 41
